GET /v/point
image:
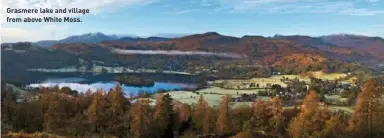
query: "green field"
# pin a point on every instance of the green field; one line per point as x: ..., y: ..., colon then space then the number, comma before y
x: 212, y: 95
x: 276, y: 79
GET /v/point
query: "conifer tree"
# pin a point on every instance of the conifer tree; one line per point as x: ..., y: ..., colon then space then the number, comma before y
x: 261, y: 116
x: 223, y: 123
x: 141, y: 119
x: 163, y: 114
x: 276, y: 122
x: 55, y: 119
x: 183, y: 115
x: 95, y: 111
x: 117, y: 110
x: 311, y: 120
x: 199, y: 112
x: 118, y: 104
x: 209, y: 120
x: 240, y: 117
x: 367, y: 119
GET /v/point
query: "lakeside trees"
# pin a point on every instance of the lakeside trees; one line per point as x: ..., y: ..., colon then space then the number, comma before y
x: 102, y: 114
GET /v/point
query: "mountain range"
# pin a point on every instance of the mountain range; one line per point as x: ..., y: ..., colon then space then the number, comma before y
x: 330, y: 44
x: 94, y: 38
x: 290, y: 54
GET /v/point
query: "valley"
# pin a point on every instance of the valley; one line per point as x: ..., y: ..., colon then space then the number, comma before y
x: 192, y: 72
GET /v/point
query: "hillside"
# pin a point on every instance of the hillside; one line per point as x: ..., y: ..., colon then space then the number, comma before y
x: 371, y: 45
x: 258, y: 49
x: 301, y: 63
x: 329, y: 49
x: 255, y: 54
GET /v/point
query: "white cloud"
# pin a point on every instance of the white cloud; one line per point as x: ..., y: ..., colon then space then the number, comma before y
x: 95, y: 6
x: 343, y: 7
x: 48, y: 32
x: 15, y: 34
x: 177, y: 52
x: 186, y: 11
x: 361, y: 12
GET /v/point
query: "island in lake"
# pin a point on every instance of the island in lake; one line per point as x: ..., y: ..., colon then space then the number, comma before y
x: 134, y: 81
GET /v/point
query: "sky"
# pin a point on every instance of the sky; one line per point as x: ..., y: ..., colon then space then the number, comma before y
x: 180, y: 17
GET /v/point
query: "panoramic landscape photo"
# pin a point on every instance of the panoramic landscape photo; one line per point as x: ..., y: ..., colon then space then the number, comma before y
x: 193, y: 69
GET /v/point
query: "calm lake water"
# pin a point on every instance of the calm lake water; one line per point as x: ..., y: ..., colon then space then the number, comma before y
x: 106, y: 82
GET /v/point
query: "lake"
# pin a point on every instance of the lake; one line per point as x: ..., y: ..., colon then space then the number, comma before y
x: 84, y: 82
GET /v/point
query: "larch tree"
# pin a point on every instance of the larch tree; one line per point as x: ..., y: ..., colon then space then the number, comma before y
x: 141, y: 119
x: 182, y: 117
x: 163, y: 115
x: 306, y: 123
x: 334, y: 127
x: 117, y: 109
x: 118, y: 103
x: 95, y: 111
x: 367, y: 119
x: 56, y: 116
x: 209, y: 120
x: 276, y: 122
x: 199, y: 112
x: 240, y: 118
x: 261, y: 115
x: 44, y: 100
x: 223, y: 123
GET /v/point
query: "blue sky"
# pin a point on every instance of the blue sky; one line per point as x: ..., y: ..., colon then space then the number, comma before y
x: 228, y: 17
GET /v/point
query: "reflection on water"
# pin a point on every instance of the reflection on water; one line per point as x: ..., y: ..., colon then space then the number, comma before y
x: 83, y: 87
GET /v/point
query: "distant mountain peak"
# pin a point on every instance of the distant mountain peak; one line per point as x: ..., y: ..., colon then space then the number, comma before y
x: 89, y: 38
x: 341, y: 35
x: 211, y: 33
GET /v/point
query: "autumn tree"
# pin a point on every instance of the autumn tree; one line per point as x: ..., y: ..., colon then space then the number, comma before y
x: 276, y: 122
x: 240, y: 116
x: 312, y: 118
x: 57, y: 115
x: 199, y: 113
x: 116, y: 109
x: 118, y: 104
x: 141, y: 119
x: 209, y: 120
x: 83, y: 101
x: 44, y: 100
x: 8, y: 103
x: 17, y: 116
x: 163, y: 115
x: 96, y: 110
x: 334, y: 127
x: 261, y: 115
x: 183, y: 115
x: 367, y: 118
x: 78, y: 125
x: 223, y: 123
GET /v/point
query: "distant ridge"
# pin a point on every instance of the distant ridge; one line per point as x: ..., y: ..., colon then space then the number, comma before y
x: 89, y: 38
x: 94, y: 38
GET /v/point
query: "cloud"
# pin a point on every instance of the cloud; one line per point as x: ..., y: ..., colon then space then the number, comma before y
x: 342, y: 7
x: 48, y: 32
x: 15, y: 34
x: 95, y: 6
x: 182, y: 11
x: 361, y: 12
x: 177, y: 52
x: 186, y: 11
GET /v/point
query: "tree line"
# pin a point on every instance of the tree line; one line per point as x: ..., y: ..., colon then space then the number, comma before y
x: 112, y: 114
